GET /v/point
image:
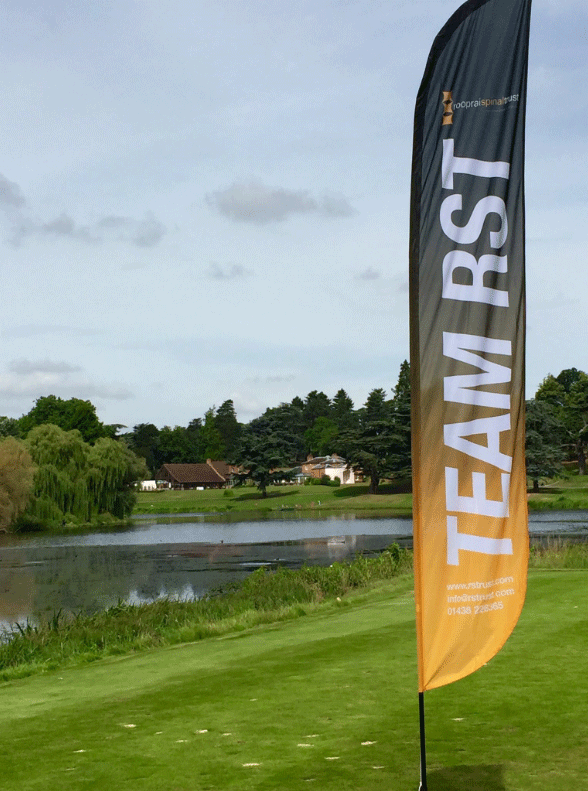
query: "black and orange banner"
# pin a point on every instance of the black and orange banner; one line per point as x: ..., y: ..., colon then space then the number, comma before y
x: 467, y: 305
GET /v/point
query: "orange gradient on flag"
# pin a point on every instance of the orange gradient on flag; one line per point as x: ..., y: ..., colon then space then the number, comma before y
x: 467, y: 327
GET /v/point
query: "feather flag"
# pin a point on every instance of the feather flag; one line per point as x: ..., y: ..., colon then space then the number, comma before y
x: 467, y: 302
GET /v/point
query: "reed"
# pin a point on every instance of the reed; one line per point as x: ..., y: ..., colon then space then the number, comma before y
x: 559, y: 553
x: 264, y: 596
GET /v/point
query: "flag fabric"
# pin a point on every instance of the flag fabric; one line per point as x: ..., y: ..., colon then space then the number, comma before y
x: 467, y: 306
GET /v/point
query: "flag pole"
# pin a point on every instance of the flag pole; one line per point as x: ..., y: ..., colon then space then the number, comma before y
x: 423, y: 785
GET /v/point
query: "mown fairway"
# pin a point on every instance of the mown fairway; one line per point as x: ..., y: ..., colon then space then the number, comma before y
x: 327, y: 701
x: 312, y: 500
x: 393, y: 499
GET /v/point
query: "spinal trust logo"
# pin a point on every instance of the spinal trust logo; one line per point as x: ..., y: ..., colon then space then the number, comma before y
x: 449, y: 106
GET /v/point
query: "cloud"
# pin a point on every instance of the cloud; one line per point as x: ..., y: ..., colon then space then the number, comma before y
x: 147, y: 232
x: 251, y: 201
x: 369, y: 274
x: 34, y: 330
x: 37, y: 378
x: 109, y: 392
x: 63, y: 225
x: 142, y: 233
x: 27, y: 367
x: 10, y: 193
x: 234, y: 272
x: 336, y: 206
x: 41, y: 383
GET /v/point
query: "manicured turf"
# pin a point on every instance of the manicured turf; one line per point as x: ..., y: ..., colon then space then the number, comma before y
x: 393, y: 500
x: 327, y: 701
x: 568, y: 494
x: 247, y: 502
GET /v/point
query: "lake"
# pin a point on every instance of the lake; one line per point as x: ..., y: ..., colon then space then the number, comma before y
x: 185, y: 556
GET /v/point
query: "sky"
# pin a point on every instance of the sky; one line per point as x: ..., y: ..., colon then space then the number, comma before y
x: 203, y: 201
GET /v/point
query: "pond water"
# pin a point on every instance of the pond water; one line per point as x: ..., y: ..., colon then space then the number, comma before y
x: 185, y: 556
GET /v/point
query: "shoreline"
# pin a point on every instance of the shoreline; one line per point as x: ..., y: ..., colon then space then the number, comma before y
x: 263, y: 598
x: 392, y: 501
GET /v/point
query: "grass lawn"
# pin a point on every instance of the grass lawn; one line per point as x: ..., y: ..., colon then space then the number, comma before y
x: 248, y: 502
x: 326, y: 701
x: 568, y: 494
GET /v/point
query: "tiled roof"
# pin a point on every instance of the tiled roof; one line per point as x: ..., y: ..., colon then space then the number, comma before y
x: 221, y: 467
x: 190, y: 473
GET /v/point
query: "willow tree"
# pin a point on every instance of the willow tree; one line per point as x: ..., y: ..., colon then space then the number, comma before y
x: 16, y: 480
x: 60, y: 491
x: 76, y: 482
x: 113, y: 471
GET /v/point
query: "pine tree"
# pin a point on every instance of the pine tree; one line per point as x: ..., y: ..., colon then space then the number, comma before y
x: 212, y: 441
x: 342, y: 411
x: 401, y: 452
x: 228, y: 427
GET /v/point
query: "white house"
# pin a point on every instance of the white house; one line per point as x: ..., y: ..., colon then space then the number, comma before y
x: 334, y: 467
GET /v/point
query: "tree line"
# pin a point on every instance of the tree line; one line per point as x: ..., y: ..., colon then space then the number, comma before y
x: 375, y: 437
x: 59, y: 463
x: 557, y: 425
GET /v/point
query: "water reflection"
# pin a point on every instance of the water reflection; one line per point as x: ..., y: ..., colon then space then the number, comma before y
x: 184, y: 557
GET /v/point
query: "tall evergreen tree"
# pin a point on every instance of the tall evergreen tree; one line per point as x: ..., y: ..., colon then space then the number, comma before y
x: 321, y: 438
x: 376, y: 407
x: 316, y: 404
x: 342, y: 412
x: 261, y: 454
x: 401, y: 405
x: 194, y: 440
x: 284, y: 423
x: 212, y: 441
x: 370, y: 446
x: 544, y: 441
x: 228, y: 427
x: 144, y: 441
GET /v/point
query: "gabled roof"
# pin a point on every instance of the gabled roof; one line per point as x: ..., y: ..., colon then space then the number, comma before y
x: 331, y: 464
x: 221, y: 467
x: 332, y: 460
x: 191, y: 473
